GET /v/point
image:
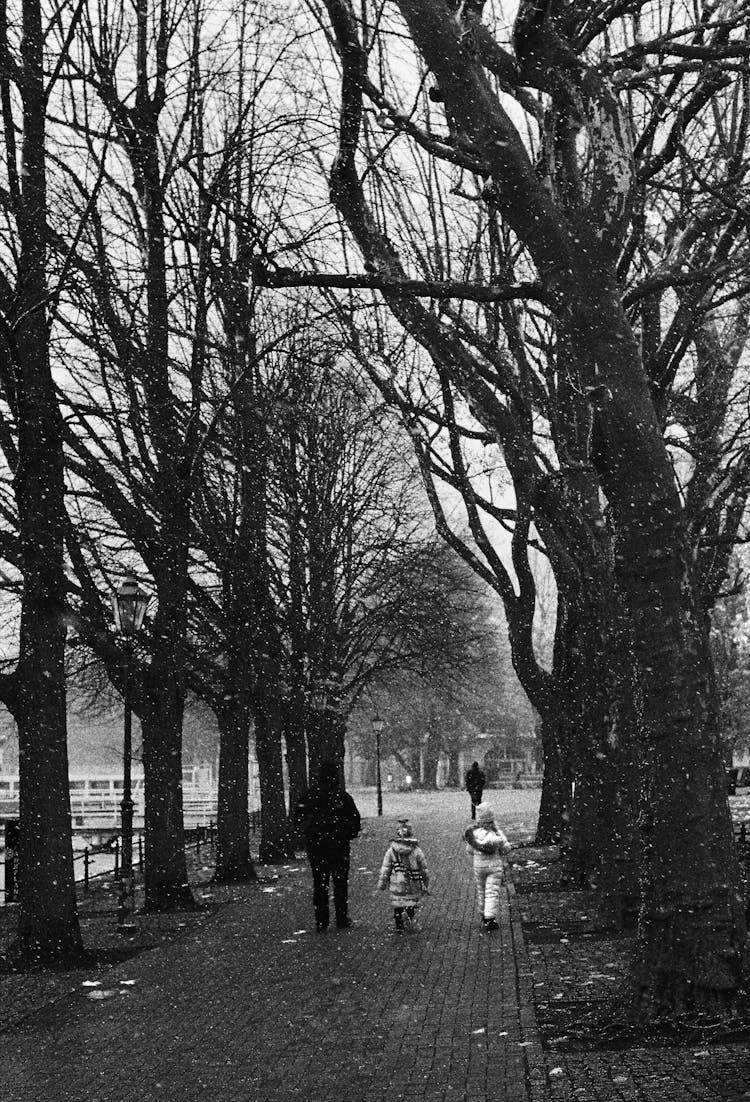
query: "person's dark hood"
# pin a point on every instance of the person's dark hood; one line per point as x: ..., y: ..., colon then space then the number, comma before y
x: 328, y: 778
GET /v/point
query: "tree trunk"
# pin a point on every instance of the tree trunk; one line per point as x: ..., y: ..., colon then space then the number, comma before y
x: 554, y: 806
x: 338, y: 739
x: 233, y: 860
x: 692, y: 924
x: 165, y: 873
x: 692, y: 930
x: 325, y: 741
x: 429, y: 751
x: 430, y: 759
x: 275, y: 842
x: 48, y: 925
x: 603, y: 714
x: 602, y: 852
x: 549, y: 694
x: 453, y: 779
x: 296, y: 760
x: 48, y: 920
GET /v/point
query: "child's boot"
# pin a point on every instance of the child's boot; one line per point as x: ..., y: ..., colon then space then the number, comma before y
x: 490, y: 924
x: 398, y: 918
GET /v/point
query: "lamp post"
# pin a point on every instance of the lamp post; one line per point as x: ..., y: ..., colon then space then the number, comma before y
x: 129, y: 606
x: 377, y: 726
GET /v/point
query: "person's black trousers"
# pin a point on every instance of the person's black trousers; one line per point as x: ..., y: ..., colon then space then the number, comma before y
x: 327, y: 865
x: 476, y: 798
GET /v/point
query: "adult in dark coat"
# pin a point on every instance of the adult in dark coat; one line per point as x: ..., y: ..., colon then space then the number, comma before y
x: 329, y: 819
x: 475, y: 786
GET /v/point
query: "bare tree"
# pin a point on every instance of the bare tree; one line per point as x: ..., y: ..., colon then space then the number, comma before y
x: 32, y: 448
x: 569, y: 213
x: 329, y: 572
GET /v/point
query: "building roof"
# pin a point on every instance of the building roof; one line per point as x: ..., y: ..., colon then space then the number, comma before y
x: 502, y: 736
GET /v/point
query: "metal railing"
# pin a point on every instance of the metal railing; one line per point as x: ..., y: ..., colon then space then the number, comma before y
x: 198, y: 837
x: 742, y: 841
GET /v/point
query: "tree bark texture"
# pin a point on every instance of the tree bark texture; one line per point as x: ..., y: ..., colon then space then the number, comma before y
x: 165, y: 873
x: 296, y: 758
x: 166, y: 879
x: 138, y: 128
x: 555, y: 798
x: 453, y: 778
x: 233, y: 859
x: 48, y: 920
x: 603, y: 714
x: 325, y: 741
x: 275, y: 840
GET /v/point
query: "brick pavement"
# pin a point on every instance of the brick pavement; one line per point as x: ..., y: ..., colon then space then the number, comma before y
x: 247, y: 1007
x: 249, y: 1004
x: 576, y: 961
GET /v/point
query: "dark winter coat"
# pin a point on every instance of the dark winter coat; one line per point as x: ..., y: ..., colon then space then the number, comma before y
x: 475, y: 783
x: 328, y: 818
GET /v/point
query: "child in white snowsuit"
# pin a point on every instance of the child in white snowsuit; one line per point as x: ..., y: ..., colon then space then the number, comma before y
x: 404, y: 872
x: 488, y: 846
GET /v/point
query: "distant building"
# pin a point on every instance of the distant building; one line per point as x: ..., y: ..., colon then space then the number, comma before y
x: 504, y: 758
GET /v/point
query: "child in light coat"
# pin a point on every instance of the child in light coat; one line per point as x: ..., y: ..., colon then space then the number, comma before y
x: 487, y: 846
x: 404, y: 871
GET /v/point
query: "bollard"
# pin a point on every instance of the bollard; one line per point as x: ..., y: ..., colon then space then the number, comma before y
x: 117, y: 859
x: 10, y: 877
x: 140, y: 850
x: 198, y: 839
x: 12, y: 841
x: 211, y: 831
x: 86, y: 869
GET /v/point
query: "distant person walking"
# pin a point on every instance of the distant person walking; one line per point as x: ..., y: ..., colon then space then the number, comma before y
x: 328, y: 817
x: 475, y: 785
x: 404, y: 872
x: 487, y: 846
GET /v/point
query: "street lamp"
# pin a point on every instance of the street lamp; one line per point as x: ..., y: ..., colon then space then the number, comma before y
x: 129, y: 606
x: 377, y: 726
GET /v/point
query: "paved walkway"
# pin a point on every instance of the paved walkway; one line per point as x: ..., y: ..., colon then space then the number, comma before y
x: 254, y: 1005
x: 241, y: 1001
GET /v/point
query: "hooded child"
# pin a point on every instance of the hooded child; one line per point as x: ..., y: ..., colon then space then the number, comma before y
x: 488, y: 846
x: 404, y: 872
